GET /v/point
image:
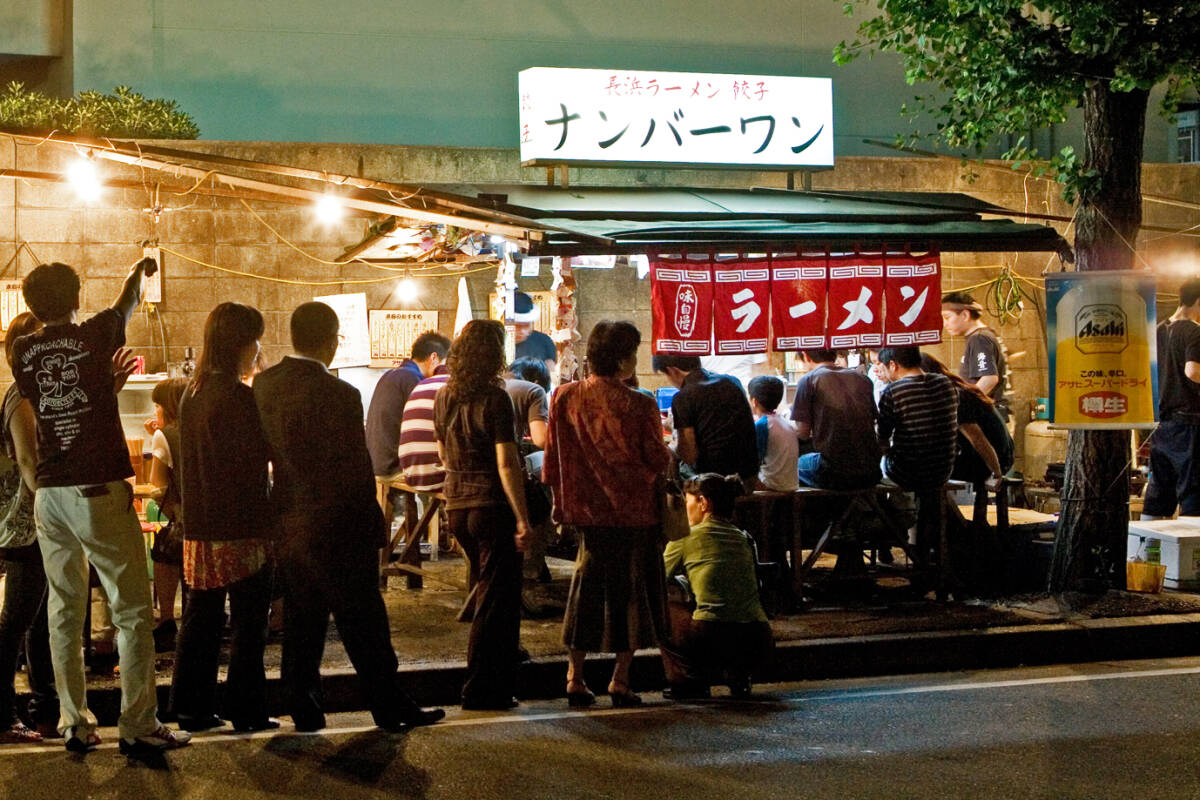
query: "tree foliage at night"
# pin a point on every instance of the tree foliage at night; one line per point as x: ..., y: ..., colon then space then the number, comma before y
x: 1004, y: 67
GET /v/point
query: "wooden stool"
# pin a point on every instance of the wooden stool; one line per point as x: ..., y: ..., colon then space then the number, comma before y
x: 412, y: 532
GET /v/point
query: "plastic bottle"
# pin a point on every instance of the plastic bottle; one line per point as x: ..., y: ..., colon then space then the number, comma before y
x: 1153, y: 551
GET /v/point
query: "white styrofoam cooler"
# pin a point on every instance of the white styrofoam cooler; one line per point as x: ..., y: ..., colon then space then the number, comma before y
x: 1179, y: 548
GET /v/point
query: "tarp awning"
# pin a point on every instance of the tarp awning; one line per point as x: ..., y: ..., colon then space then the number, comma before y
x: 606, y: 220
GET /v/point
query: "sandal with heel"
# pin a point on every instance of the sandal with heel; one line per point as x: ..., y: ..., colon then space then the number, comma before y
x: 623, y: 699
x: 579, y: 698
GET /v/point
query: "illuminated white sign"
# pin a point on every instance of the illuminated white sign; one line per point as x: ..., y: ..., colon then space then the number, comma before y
x: 596, y: 116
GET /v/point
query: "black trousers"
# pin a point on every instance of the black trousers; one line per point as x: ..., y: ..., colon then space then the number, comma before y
x: 701, y: 653
x: 324, y: 580
x: 23, y: 623
x: 1174, y: 470
x: 198, y: 649
x: 486, y: 537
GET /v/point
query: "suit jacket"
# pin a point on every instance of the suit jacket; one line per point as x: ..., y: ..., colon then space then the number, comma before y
x: 324, y: 486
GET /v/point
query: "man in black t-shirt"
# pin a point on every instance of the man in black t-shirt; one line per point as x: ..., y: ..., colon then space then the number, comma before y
x: 983, y: 362
x: 1175, y: 445
x: 83, y: 504
x: 835, y: 409
x: 712, y: 417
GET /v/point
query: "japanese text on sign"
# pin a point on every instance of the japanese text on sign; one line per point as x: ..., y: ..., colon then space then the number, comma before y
x: 593, y: 115
x: 1100, y: 327
x: 393, y: 333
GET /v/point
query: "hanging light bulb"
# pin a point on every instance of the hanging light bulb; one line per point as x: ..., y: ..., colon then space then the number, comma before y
x: 330, y: 209
x: 406, y: 290
x: 85, y: 179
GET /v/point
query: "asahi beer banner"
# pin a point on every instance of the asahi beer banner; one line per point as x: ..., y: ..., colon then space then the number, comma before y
x: 614, y: 117
x: 682, y: 306
x: 741, y: 308
x: 913, y: 300
x: 856, y: 302
x: 799, y: 294
x: 796, y: 303
x: 1100, y: 327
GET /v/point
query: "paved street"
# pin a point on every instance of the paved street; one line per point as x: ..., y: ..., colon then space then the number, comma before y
x: 1124, y: 730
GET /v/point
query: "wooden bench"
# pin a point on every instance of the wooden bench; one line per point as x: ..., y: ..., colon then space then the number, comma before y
x: 757, y: 510
x: 872, y: 497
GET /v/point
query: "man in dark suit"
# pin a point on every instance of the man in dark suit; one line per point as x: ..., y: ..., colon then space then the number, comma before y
x: 332, y: 527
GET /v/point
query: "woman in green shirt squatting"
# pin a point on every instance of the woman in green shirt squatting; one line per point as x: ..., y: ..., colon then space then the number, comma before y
x: 726, y: 636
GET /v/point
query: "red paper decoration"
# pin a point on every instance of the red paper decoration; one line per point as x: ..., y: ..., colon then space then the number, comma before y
x: 799, y: 296
x: 681, y: 301
x: 741, y: 311
x: 914, y: 308
x: 855, y: 302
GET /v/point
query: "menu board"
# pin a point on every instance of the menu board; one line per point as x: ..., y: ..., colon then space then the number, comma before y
x: 12, y: 303
x: 393, y: 332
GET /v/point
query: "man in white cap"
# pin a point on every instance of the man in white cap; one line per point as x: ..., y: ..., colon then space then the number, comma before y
x: 531, y: 343
x: 983, y: 362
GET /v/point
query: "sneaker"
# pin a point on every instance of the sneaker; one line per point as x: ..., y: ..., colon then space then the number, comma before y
x: 163, y: 738
x: 85, y: 743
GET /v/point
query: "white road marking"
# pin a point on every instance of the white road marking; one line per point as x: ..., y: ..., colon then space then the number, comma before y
x: 221, y: 737
x: 854, y: 694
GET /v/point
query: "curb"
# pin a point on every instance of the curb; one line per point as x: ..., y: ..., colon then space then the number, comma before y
x: 1161, y: 636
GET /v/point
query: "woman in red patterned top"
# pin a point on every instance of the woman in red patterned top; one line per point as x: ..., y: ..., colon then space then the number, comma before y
x: 604, y: 455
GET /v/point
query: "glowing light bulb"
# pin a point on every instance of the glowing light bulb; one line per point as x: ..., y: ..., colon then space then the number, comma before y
x: 85, y: 180
x: 407, y: 291
x: 330, y: 209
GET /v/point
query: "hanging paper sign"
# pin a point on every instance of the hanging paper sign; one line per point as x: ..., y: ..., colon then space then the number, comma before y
x: 354, y: 337
x: 681, y: 301
x: 798, y: 300
x: 856, y: 302
x: 914, y: 311
x: 1100, y: 327
x: 742, y: 298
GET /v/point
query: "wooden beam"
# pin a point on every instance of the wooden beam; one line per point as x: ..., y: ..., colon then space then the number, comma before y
x: 372, y: 206
x: 169, y: 155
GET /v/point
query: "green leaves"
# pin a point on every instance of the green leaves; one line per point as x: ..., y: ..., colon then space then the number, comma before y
x: 1007, y: 67
x: 124, y: 114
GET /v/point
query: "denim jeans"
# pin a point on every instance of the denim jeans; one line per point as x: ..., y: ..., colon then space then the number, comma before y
x: 809, y: 468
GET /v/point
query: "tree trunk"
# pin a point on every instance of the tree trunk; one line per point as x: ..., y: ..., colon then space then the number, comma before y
x: 1089, y: 549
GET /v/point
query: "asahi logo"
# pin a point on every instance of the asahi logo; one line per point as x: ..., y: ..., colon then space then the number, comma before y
x: 685, y: 309
x: 1101, y: 329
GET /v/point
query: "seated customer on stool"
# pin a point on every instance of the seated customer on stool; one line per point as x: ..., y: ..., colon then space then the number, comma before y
x: 727, y: 635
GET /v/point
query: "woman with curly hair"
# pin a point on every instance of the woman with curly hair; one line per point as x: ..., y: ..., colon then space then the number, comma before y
x: 485, y: 500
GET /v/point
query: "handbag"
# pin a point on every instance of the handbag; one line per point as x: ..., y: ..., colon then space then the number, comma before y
x: 17, y: 528
x: 673, y: 518
x: 537, y: 503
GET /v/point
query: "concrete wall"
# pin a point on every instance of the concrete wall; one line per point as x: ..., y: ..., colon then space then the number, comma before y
x: 445, y: 73
x: 103, y: 240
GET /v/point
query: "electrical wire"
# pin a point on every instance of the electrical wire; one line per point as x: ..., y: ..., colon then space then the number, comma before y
x: 346, y: 281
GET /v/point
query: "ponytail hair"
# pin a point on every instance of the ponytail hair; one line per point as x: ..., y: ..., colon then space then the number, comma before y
x: 721, y: 491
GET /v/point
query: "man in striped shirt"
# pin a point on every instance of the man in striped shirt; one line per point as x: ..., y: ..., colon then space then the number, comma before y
x: 418, y: 443
x: 918, y: 422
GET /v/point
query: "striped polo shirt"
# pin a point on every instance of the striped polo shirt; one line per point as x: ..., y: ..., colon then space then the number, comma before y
x: 418, y: 443
x: 919, y: 414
